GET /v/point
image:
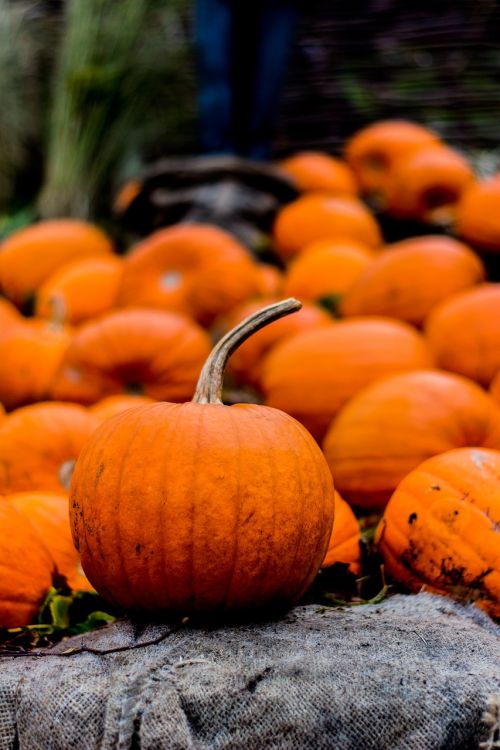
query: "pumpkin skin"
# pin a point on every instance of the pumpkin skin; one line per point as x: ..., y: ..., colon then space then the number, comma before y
x: 9, y: 316
x: 200, y: 507
x: 319, y: 172
x: 411, y: 277
x: 326, y: 270
x: 112, y: 405
x: 148, y: 352
x: 387, y: 429
x: 440, y: 530
x: 495, y: 388
x: 477, y: 214
x: 427, y: 184
x: 26, y: 569
x: 464, y: 333
x: 317, y: 217
x: 86, y: 288
x: 312, y: 374
x: 345, y: 541
x: 198, y: 270
x: 39, y: 444
x: 47, y: 513
x: 372, y: 151
x: 246, y: 363
x: 29, y: 256
x: 270, y: 280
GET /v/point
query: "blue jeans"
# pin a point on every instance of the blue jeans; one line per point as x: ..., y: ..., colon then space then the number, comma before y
x: 242, y: 51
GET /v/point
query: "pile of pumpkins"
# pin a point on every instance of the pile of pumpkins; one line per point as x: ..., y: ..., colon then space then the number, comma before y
x: 387, y: 379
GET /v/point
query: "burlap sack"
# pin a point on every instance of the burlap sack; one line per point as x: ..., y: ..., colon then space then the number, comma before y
x: 411, y: 673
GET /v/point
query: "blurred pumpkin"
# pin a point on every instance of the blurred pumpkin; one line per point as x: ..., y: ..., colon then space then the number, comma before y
x: 319, y: 172
x: 9, y: 316
x: 345, y: 541
x: 270, y: 280
x: 477, y: 215
x: 112, y: 405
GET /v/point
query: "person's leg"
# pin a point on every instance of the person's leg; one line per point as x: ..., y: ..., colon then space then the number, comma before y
x: 214, y: 45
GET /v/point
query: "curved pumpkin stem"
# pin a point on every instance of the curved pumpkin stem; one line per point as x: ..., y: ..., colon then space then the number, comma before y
x: 209, y: 388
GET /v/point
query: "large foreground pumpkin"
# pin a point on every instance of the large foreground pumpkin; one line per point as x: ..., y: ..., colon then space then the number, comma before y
x: 441, y: 528
x: 200, y: 507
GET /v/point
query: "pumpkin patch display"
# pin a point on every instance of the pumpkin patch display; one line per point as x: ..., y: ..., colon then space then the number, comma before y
x: 194, y: 269
x: 345, y: 541
x: 29, y: 256
x: 145, y: 352
x: 39, y: 445
x: 312, y: 374
x: 390, y: 427
x: 315, y: 216
x: 477, y: 214
x: 26, y: 568
x: 464, y: 333
x: 441, y: 528
x: 319, y: 172
x: 200, y: 507
x: 411, y: 277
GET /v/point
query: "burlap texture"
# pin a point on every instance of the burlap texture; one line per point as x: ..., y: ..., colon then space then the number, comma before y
x: 410, y: 673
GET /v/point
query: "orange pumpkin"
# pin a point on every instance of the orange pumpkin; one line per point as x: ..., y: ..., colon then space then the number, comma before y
x: 345, y: 541
x: 149, y: 352
x: 312, y: 374
x: 270, y: 280
x: 464, y: 333
x: 246, y: 362
x: 387, y: 429
x: 26, y: 569
x: 326, y: 270
x: 29, y: 256
x: 316, y: 171
x: 477, y: 214
x: 39, y: 445
x: 47, y: 512
x: 86, y: 288
x: 441, y: 528
x: 198, y: 270
x: 411, y: 277
x: 9, y: 316
x: 495, y: 388
x: 317, y: 217
x: 112, y: 405
x: 426, y: 184
x: 201, y: 507
x: 372, y: 151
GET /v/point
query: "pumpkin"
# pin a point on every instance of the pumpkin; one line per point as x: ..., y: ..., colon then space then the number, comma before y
x: 26, y: 569
x: 39, y: 445
x: 270, y: 280
x: 112, y: 405
x: 200, y: 507
x: 198, y: 270
x: 325, y: 270
x: 372, y: 151
x: 464, y: 333
x: 495, y: 388
x: 411, y: 277
x: 477, y: 214
x: 314, y: 216
x: 87, y: 288
x: 387, y: 429
x: 246, y: 362
x: 146, y: 352
x: 9, y: 316
x: 312, y: 374
x: 316, y: 171
x: 30, y: 255
x: 426, y: 184
x: 441, y: 528
x: 47, y: 512
x: 345, y: 541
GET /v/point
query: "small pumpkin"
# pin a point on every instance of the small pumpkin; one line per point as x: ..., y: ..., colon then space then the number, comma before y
x: 312, y: 374
x: 39, y: 445
x: 146, y: 352
x: 441, y: 528
x: 345, y: 541
x: 87, y: 288
x: 26, y: 569
x: 411, y: 277
x: 477, y: 215
x: 372, y: 151
x: 390, y: 427
x: 314, y: 216
x: 200, y: 507
x: 194, y: 269
x: 270, y: 280
x: 30, y: 255
x: 319, y: 172
x: 112, y: 405
x: 464, y: 333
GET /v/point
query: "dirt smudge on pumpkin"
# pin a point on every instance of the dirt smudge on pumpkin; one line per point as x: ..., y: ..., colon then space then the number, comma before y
x: 98, y: 475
